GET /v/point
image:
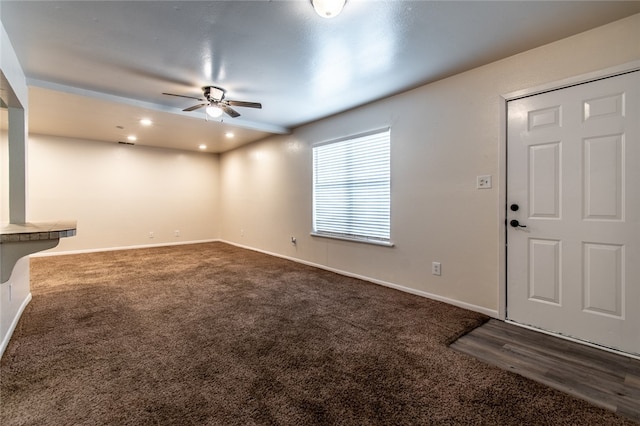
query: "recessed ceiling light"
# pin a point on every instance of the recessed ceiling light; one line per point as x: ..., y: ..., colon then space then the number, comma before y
x: 146, y: 122
x: 132, y: 138
x: 202, y: 146
x: 229, y: 134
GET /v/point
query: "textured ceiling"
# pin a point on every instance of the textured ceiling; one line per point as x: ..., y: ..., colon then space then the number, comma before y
x: 96, y: 65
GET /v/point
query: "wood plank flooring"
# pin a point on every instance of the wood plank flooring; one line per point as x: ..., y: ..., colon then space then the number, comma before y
x: 605, y: 379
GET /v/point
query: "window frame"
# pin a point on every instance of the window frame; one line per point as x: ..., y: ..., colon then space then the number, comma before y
x: 367, y: 239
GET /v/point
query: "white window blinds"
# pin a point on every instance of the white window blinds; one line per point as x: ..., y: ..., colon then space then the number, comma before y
x: 352, y: 188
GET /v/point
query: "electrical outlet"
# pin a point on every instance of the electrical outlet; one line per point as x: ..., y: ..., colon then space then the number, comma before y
x: 242, y: 232
x: 483, y: 182
x: 176, y: 232
x: 436, y: 268
x: 151, y: 234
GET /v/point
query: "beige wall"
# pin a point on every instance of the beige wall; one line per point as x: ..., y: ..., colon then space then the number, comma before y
x: 121, y: 193
x: 443, y: 135
x: 4, y: 168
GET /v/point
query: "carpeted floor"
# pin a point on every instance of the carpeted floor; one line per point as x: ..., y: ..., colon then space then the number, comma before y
x: 211, y: 334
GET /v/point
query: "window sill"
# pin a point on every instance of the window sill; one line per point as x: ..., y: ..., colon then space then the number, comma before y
x: 354, y: 240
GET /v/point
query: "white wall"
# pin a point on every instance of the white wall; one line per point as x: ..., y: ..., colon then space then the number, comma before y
x: 15, y: 293
x: 120, y: 193
x: 443, y: 135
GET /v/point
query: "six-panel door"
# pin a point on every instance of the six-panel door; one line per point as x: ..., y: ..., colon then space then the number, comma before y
x: 573, y: 159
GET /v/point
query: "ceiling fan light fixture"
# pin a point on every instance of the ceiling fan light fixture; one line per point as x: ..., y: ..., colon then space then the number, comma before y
x: 214, y: 111
x: 328, y: 8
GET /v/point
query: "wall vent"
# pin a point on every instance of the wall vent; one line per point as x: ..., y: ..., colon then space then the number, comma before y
x: 126, y: 143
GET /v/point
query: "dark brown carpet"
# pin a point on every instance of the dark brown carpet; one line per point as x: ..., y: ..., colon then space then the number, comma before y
x: 214, y: 334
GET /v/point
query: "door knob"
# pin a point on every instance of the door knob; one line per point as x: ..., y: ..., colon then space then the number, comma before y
x: 516, y: 224
x: 514, y: 207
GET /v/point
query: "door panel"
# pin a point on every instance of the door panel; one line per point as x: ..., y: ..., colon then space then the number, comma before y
x: 573, y: 263
x: 603, y: 283
x: 544, y: 180
x: 603, y: 173
x: 544, y: 270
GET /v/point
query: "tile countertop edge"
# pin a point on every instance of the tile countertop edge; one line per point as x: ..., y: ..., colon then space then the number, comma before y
x: 37, y: 231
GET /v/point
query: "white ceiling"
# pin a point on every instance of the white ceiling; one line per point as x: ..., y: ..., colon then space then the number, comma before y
x: 96, y: 65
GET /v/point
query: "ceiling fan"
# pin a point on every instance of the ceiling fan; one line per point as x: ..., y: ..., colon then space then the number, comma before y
x: 216, y: 103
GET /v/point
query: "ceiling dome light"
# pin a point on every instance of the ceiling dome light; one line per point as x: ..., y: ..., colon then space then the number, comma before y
x: 202, y: 146
x: 146, y: 122
x: 214, y: 111
x: 132, y: 138
x: 229, y: 134
x: 328, y: 8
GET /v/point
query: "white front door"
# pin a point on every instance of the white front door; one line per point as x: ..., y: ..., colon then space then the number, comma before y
x: 573, y: 212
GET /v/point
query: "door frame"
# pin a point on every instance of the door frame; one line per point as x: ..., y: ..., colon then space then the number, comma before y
x: 502, y: 190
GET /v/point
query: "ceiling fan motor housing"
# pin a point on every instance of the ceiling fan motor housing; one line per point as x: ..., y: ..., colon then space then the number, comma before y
x: 213, y: 93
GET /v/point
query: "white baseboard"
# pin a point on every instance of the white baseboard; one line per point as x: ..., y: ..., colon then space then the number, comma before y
x: 96, y: 250
x: 14, y: 324
x: 481, y: 309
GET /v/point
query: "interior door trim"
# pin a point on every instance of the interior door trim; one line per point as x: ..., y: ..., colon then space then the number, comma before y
x: 574, y: 81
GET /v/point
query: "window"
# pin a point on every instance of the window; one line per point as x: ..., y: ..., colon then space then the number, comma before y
x: 352, y: 188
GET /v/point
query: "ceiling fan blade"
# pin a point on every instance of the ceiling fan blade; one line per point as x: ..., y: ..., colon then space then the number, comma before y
x: 193, y: 108
x: 244, y: 104
x: 183, y: 96
x: 229, y: 111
